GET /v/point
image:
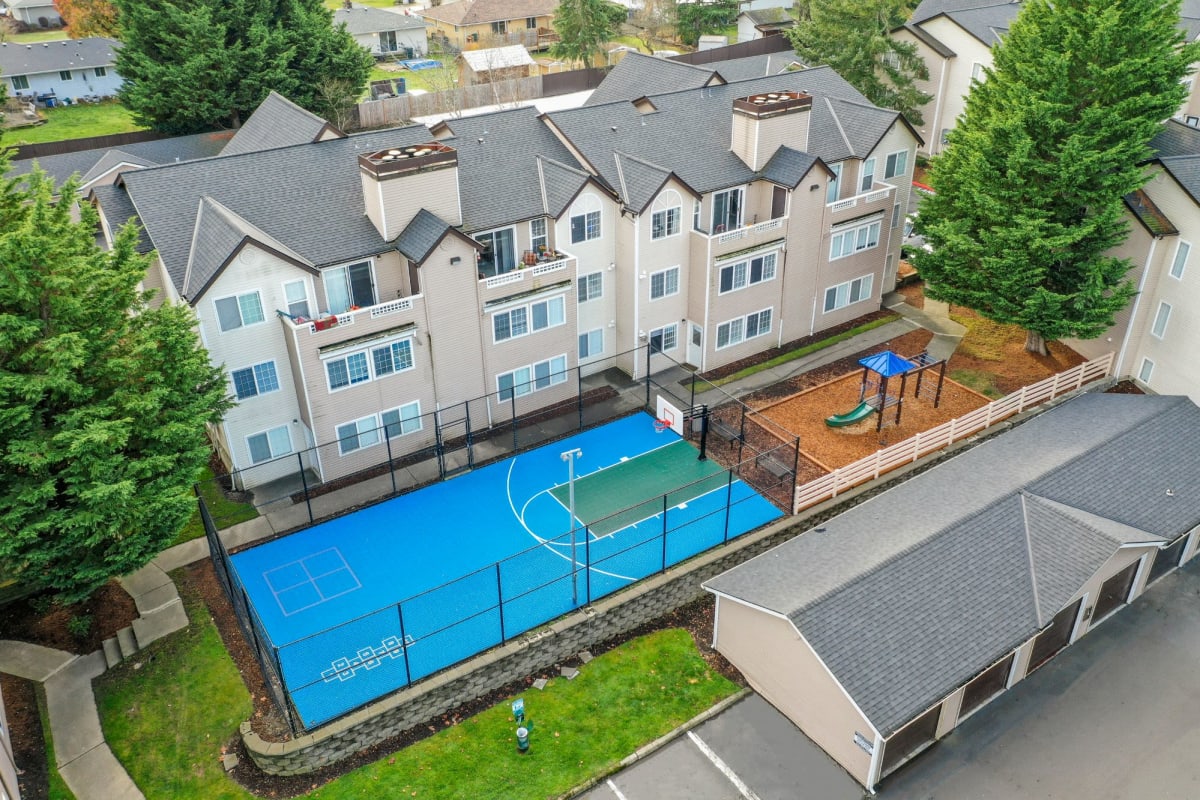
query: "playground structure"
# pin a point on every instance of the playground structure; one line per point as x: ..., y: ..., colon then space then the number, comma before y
x: 873, y: 395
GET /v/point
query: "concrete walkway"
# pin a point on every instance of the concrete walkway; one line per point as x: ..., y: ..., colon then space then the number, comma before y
x: 84, y: 759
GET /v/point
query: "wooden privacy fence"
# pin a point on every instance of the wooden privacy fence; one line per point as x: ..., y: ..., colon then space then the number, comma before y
x: 926, y: 442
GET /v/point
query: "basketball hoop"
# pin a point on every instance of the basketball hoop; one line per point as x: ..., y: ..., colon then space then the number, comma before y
x: 661, y: 425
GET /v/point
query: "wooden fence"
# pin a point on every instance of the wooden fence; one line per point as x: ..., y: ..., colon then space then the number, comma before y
x: 934, y: 439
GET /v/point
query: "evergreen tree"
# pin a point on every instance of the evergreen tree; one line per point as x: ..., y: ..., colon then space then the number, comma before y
x: 853, y: 37
x: 103, y: 399
x: 194, y: 66
x: 584, y: 28
x: 704, y: 16
x: 1030, y: 188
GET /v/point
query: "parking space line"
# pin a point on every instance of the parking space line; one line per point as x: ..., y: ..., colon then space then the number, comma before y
x: 616, y: 791
x: 711, y: 755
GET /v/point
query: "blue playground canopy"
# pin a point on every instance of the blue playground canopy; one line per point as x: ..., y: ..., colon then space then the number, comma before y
x: 887, y: 364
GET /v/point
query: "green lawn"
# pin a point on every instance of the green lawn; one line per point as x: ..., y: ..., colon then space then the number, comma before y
x: 168, y: 720
x: 75, y: 122
x: 224, y: 512
x: 38, y: 36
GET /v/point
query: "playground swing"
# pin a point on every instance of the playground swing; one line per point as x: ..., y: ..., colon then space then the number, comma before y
x: 873, y: 397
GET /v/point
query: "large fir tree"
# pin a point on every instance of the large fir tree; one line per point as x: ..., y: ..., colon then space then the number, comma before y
x: 103, y: 399
x: 584, y: 28
x: 1029, y: 190
x: 207, y: 63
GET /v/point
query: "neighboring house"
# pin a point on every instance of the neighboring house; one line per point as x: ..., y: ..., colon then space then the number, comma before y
x: 475, y: 24
x: 34, y: 13
x: 753, y: 25
x: 69, y: 68
x: 495, y: 64
x: 880, y: 631
x: 384, y: 33
x: 349, y: 283
x: 8, y: 765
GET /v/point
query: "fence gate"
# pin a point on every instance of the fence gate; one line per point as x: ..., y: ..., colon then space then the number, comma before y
x: 454, y: 451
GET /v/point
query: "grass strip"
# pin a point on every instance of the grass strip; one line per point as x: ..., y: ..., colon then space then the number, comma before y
x: 225, y: 512
x: 57, y: 786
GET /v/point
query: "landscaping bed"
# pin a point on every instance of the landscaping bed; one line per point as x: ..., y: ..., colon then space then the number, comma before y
x: 39, y: 620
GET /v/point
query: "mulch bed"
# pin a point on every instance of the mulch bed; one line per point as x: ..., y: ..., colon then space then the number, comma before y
x: 25, y: 726
x: 36, y: 619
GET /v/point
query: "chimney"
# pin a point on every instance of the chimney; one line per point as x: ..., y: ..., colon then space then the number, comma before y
x: 763, y: 122
x: 400, y: 181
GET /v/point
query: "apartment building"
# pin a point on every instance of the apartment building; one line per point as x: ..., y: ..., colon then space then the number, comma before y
x: 351, y: 285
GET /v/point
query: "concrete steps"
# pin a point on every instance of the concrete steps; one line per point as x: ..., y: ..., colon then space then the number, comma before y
x: 127, y: 642
x: 112, y: 652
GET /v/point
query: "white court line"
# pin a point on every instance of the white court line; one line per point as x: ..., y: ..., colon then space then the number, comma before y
x: 616, y: 791
x: 623, y: 460
x: 737, y: 782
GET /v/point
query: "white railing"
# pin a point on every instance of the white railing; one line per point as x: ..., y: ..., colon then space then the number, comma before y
x: 383, y: 309
x: 504, y: 278
x: 926, y: 442
x: 750, y: 230
x: 347, y: 318
x: 518, y: 275
x: 865, y: 198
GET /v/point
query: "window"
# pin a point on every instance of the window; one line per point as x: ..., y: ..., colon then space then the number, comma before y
x: 348, y: 286
x: 358, y: 434
x: 848, y: 241
x: 585, y: 219
x: 896, y: 164
x: 296, y: 295
x: 499, y: 251
x: 538, y: 241
x: 695, y: 215
x: 101, y: 72
x: 524, y: 380
x: 402, y: 420
x: 238, y: 311
x: 356, y: 368
x: 1160, y: 320
x: 668, y: 212
x: 591, y: 286
x: 521, y: 320
x: 1181, y: 257
x: 746, y: 273
x: 739, y: 330
x: 269, y: 444
x: 727, y: 210
x: 1146, y: 371
x: 849, y: 292
x: 664, y: 283
x: 664, y: 338
x: 835, y: 183
x: 387, y: 41
x: 895, y: 215
x: 591, y: 344
x: 256, y: 380
x: 977, y: 73
x: 20, y: 82
x: 64, y: 75
x: 531, y: 23
x: 500, y: 26
x: 867, y: 175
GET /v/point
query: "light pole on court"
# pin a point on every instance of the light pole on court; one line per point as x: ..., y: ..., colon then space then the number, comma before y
x: 569, y: 457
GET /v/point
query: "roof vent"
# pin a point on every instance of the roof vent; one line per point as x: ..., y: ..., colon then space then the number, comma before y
x: 767, y: 104
x: 410, y: 158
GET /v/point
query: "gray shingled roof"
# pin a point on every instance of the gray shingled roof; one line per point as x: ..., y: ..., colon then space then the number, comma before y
x: 744, y: 69
x: 636, y: 75
x: 159, y: 151
x: 910, y: 594
x: 118, y: 209
x: 1176, y: 139
x: 788, y: 167
x: 421, y: 235
x: 928, y: 9
x: 640, y: 180
x: 775, y: 17
x: 31, y: 59
x: 218, y: 233
x: 365, y: 19
x: 987, y: 24
x: 561, y: 183
x: 277, y: 122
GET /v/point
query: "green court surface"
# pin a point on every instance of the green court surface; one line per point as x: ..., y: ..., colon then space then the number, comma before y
x: 635, y: 487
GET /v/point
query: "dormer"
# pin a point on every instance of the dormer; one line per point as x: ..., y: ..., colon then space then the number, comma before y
x: 765, y: 121
x: 398, y: 182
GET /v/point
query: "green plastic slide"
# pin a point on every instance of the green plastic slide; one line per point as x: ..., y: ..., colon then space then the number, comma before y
x: 860, y: 412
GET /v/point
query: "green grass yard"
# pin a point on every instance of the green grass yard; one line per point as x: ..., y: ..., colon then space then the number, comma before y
x: 38, y: 36
x: 224, y: 512
x: 75, y: 122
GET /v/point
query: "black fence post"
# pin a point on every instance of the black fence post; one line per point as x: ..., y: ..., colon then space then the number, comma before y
x: 795, y: 478
x: 470, y: 441
x: 664, y: 535
x: 404, y: 644
x: 304, y: 483
x: 587, y: 562
x: 692, y: 400
x: 500, y: 604
x: 728, y: 504
x: 391, y: 468
x: 579, y: 395
x: 649, y: 348
x: 513, y: 404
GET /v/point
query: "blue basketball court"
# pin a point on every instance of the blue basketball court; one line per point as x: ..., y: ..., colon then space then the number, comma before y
x: 364, y: 604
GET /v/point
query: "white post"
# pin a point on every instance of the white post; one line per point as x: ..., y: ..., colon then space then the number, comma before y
x: 569, y: 457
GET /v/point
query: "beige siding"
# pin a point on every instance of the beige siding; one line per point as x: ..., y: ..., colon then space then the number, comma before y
x: 937, y: 66
x: 737, y: 303
x: 957, y: 83
x: 782, y: 667
x: 453, y: 322
x: 626, y: 285
x: 805, y: 258
x: 398, y: 200
x: 754, y: 141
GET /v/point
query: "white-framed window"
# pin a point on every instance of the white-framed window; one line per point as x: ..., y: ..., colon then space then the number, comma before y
x: 591, y: 344
x: 895, y: 215
x: 850, y: 240
x: 739, y: 330
x: 239, y: 311
x: 977, y: 73
x: 403, y: 420
x: 664, y: 338
x: 728, y: 209
x: 64, y: 75
x: 500, y: 26
x: 267, y: 445
x: 20, y: 82
x: 666, y: 215
x: 896, y: 164
x: 538, y: 240
x: 835, y: 183
x: 101, y: 72
x: 585, y: 219
x: 295, y: 293
x: 696, y: 215
x: 747, y: 273
x: 1159, y: 329
x: 253, y: 381
x: 849, y: 292
x: 1181, y: 256
x: 351, y: 285
x: 525, y: 380
x: 371, y: 364
x: 664, y: 283
x: 515, y: 322
x: 358, y: 434
x: 1147, y: 369
x: 590, y: 286
x: 866, y: 177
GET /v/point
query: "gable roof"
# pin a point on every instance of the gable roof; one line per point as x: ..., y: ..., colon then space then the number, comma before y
x: 942, y: 575
x: 277, y: 122
x: 497, y: 58
x: 32, y: 59
x: 91, y: 164
x: 117, y: 208
x: 423, y: 233
x: 636, y: 73
x: 1177, y: 149
x: 774, y: 18
x: 361, y: 20
x: 481, y: 12
x: 787, y: 167
x: 744, y: 69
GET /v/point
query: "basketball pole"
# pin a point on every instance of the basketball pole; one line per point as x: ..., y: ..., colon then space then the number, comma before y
x: 703, y: 433
x: 569, y: 457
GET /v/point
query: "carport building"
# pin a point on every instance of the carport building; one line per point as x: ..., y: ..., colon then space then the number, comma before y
x: 881, y: 630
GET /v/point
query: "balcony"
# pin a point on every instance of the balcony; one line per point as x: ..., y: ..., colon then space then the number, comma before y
x: 362, y: 320
x: 746, y: 237
x: 861, y: 204
x: 529, y: 276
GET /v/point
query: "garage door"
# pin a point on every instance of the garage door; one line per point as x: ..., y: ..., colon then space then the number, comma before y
x: 1054, y: 638
x: 1114, y: 592
x: 987, y: 685
x: 1167, y: 559
x: 910, y: 740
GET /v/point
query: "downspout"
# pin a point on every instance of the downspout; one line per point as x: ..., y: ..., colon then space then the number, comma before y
x: 708, y: 265
x: 1137, y: 302
x: 637, y: 272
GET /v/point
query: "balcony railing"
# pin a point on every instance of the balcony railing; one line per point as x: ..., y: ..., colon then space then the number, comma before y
x: 531, y: 271
x: 749, y: 230
x: 348, y: 318
x: 865, y: 198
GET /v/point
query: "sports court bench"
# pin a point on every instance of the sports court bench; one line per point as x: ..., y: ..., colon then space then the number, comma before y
x: 727, y: 433
x: 773, y: 466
